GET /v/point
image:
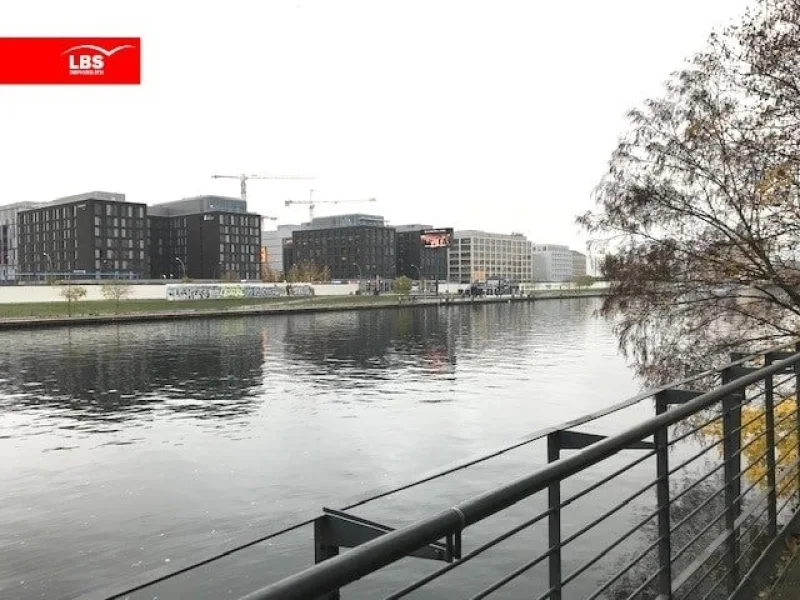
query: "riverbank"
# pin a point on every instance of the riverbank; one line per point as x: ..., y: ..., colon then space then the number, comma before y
x: 59, y: 314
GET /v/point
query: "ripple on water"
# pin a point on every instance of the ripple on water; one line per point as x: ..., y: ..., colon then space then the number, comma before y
x: 188, y: 428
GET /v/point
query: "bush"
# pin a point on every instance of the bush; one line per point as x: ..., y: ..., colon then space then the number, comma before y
x: 402, y: 285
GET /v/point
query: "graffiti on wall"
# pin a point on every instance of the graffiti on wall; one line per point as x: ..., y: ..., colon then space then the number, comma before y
x: 224, y: 291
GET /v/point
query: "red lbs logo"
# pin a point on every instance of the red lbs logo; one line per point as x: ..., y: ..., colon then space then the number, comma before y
x: 88, y: 59
x: 70, y: 61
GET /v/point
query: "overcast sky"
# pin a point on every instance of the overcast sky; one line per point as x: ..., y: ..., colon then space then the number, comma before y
x: 476, y: 115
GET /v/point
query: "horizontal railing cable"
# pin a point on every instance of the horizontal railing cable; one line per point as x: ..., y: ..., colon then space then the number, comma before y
x: 190, y: 565
x: 606, y: 479
x: 694, y: 457
x: 742, y: 555
x: 622, y: 571
x: 361, y: 560
x: 697, y: 536
x: 547, y: 594
x: 611, y: 511
x: 725, y: 537
x: 703, y: 577
x: 598, y: 557
x: 696, y: 510
x: 715, y: 418
x: 470, y: 555
x: 644, y: 585
x: 697, y: 482
x: 511, y: 576
x: 787, y: 453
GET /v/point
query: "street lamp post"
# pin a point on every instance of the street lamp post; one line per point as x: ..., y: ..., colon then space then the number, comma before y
x: 421, y: 280
x: 183, y: 266
x: 359, y: 275
x: 49, y: 262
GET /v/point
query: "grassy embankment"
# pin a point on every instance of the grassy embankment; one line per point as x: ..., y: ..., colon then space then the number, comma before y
x: 109, y: 307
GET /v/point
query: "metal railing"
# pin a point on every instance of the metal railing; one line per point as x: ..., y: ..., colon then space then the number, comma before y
x: 740, y: 530
x: 704, y: 534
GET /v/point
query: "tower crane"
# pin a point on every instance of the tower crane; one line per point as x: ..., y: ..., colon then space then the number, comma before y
x: 312, y: 203
x: 244, y: 177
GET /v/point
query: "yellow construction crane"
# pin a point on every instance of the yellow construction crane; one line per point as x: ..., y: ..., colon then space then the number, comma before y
x: 243, y: 180
x: 312, y: 203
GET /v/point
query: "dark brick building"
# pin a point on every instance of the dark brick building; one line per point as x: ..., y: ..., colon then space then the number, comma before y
x: 350, y: 252
x: 414, y: 259
x: 210, y: 236
x: 97, y: 233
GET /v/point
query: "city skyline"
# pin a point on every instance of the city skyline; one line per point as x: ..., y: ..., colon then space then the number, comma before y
x: 501, y: 117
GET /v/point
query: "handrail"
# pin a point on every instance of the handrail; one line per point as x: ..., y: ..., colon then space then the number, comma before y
x: 348, y: 567
x: 289, y: 524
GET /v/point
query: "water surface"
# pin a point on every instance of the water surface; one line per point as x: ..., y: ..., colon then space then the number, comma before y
x: 127, y: 449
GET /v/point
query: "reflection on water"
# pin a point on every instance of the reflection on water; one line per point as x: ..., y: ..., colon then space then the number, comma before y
x: 107, y: 376
x: 126, y: 448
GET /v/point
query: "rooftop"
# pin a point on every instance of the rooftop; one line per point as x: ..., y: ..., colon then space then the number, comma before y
x: 197, y: 205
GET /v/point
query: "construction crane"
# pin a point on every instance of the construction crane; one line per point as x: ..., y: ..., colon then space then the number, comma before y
x: 312, y: 203
x: 243, y: 180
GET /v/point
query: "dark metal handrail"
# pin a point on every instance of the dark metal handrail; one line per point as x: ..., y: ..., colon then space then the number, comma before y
x: 450, y: 521
x: 337, y: 571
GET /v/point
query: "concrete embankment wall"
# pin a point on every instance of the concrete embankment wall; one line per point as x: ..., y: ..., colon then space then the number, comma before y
x: 21, y: 294
x: 294, y: 308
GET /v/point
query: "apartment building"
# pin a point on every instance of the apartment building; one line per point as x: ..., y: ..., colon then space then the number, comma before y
x: 96, y: 233
x: 480, y: 255
x: 352, y: 246
x: 9, y: 238
x: 422, y: 251
x: 552, y: 263
x: 205, y: 237
x: 578, y: 264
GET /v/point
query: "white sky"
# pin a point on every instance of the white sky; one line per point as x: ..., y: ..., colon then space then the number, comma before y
x: 477, y: 115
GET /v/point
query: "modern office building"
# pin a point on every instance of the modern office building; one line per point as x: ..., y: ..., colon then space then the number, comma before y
x: 350, y: 220
x: 552, y: 263
x: 96, y: 233
x: 480, y: 255
x: 578, y: 264
x: 422, y: 252
x: 352, y: 246
x: 9, y: 238
x: 272, y: 243
x: 205, y: 237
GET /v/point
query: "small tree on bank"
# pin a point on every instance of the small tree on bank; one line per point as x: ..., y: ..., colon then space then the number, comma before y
x: 72, y: 293
x: 116, y: 291
x: 308, y: 272
x: 402, y: 285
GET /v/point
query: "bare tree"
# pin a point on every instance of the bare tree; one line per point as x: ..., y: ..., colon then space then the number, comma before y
x: 701, y: 203
x: 72, y: 293
x: 116, y: 291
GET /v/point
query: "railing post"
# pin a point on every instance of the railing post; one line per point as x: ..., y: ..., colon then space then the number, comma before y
x: 731, y: 450
x: 554, y: 520
x: 661, y: 439
x: 797, y: 414
x: 769, y: 413
x: 323, y: 550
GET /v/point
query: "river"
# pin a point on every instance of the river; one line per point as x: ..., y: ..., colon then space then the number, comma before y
x: 133, y: 449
